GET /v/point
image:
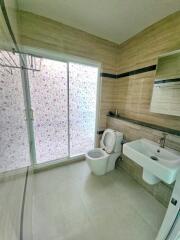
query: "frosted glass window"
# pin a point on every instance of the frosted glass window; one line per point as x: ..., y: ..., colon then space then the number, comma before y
x: 14, y: 148
x: 82, y: 107
x: 48, y: 90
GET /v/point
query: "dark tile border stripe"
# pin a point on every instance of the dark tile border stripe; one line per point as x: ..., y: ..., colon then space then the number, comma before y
x: 108, y: 75
x: 149, y: 125
x: 167, y: 80
x: 131, y: 73
x: 137, y: 71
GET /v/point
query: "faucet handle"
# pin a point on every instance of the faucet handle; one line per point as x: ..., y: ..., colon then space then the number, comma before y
x: 163, y: 137
x: 164, y: 134
x: 124, y: 140
x: 162, y: 140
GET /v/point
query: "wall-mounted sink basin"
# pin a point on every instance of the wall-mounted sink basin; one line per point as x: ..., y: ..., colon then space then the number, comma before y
x: 157, y: 163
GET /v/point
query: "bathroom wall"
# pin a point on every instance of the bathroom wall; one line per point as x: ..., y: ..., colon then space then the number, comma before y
x: 40, y: 32
x: 132, y: 94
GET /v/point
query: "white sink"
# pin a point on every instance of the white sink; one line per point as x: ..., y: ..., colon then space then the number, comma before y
x: 165, y: 165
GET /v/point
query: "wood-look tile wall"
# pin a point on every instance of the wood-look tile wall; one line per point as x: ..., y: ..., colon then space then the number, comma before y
x: 37, y: 31
x: 132, y: 95
x: 132, y: 98
x: 144, y: 48
x: 40, y: 32
x: 106, y: 99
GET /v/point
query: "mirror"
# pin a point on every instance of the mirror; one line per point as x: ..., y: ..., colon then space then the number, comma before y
x: 166, y: 89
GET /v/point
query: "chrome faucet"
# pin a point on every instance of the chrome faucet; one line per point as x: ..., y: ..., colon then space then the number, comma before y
x: 162, y: 140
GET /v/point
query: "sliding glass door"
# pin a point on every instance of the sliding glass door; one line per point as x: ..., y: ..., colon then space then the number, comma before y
x: 49, y: 101
x: 63, y: 100
x: 48, y: 113
x: 82, y: 107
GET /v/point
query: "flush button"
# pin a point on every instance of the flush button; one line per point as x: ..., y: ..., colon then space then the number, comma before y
x: 174, y: 201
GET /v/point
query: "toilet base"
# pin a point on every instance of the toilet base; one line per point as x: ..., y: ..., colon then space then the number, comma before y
x: 97, y: 167
x: 111, y: 161
x: 102, y: 166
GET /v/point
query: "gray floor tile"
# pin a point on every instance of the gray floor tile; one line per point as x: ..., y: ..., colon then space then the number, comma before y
x: 71, y: 203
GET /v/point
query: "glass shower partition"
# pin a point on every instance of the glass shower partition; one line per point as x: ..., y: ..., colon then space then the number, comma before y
x: 14, y: 148
x: 51, y: 109
x: 14, y: 141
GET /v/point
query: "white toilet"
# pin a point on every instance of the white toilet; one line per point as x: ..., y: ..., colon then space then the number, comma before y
x: 102, y: 160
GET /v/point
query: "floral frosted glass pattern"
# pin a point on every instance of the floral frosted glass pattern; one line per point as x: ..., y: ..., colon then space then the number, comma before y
x: 82, y: 107
x: 14, y: 148
x: 48, y: 90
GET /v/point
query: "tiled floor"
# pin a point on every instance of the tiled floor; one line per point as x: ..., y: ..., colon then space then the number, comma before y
x: 11, y: 193
x: 70, y: 203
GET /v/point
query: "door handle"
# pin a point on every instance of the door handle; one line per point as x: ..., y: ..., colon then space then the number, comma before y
x: 32, y: 114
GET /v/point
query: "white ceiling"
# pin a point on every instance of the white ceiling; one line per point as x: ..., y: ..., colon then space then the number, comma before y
x: 114, y: 20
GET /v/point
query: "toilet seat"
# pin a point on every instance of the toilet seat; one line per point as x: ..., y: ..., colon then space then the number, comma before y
x: 108, y: 140
x: 97, y: 160
x: 97, y: 154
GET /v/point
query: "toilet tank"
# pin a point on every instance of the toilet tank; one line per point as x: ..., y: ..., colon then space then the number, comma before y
x: 118, y: 145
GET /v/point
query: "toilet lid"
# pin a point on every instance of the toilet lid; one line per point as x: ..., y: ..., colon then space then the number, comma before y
x: 108, y: 140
